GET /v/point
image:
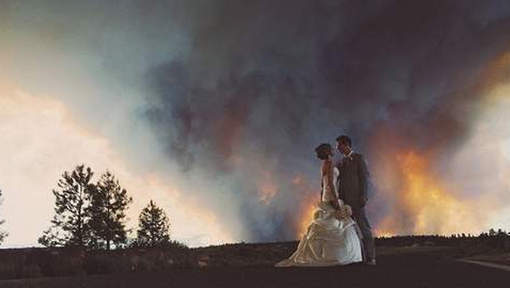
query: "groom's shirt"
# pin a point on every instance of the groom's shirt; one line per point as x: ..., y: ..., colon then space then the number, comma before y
x: 337, y: 161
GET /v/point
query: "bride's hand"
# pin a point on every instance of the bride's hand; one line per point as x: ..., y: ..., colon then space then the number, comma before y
x: 344, y: 212
x: 339, y: 214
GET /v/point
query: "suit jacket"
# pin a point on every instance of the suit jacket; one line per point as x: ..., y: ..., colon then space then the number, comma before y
x: 352, y: 181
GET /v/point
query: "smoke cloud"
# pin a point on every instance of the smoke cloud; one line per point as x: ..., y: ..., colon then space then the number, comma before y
x: 271, y: 81
x: 229, y: 98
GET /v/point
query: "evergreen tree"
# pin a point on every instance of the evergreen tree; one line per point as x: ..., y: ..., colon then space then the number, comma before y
x: 3, y: 234
x: 70, y: 222
x: 153, y: 226
x: 108, y: 203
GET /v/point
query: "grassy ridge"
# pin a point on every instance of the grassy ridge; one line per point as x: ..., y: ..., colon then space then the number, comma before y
x: 52, y: 262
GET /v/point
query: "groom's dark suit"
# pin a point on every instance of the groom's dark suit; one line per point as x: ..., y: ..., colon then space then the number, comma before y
x: 352, y: 185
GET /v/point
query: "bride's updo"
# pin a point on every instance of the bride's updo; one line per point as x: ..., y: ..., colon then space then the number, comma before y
x: 323, y: 151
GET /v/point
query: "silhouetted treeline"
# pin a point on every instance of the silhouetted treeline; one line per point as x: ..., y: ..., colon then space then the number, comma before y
x: 93, y: 215
x: 469, y: 244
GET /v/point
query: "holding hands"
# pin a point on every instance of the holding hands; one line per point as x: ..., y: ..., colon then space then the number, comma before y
x: 343, y: 212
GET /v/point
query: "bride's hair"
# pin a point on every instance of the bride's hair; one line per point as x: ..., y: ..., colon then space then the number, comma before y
x: 323, y: 151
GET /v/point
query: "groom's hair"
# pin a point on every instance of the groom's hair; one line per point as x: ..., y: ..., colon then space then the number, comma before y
x: 323, y: 151
x: 344, y: 139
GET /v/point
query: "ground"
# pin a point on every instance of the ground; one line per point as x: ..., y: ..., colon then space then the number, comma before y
x: 396, y: 267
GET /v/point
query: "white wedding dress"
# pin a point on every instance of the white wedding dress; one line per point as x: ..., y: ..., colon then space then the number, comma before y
x: 328, y: 240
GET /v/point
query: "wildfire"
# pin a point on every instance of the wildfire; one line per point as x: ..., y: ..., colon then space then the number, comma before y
x: 382, y: 233
x: 428, y: 208
x: 307, y: 208
x: 307, y: 204
x: 266, y: 188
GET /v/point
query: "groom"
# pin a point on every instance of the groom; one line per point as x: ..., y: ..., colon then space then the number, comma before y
x: 352, y: 184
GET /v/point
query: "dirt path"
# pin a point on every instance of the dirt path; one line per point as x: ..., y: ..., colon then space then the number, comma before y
x: 406, y: 270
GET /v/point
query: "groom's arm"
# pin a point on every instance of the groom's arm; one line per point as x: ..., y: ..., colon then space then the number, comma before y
x: 363, y: 179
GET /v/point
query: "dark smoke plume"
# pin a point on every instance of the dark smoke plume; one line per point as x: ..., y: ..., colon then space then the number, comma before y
x: 270, y: 80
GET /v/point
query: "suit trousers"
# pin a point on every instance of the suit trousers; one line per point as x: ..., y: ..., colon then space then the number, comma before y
x: 368, y: 246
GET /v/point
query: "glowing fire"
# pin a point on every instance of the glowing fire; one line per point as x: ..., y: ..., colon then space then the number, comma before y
x: 266, y: 188
x: 307, y: 204
x: 382, y: 233
x: 428, y: 208
x: 307, y: 208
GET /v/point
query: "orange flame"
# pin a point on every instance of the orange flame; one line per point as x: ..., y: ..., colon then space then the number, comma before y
x: 428, y: 208
x: 307, y: 204
x: 307, y: 208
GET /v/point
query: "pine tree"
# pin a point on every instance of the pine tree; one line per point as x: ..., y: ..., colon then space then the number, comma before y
x: 153, y: 226
x: 108, y: 203
x: 70, y: 222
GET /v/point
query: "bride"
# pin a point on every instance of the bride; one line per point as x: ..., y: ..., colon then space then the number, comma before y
x: 331, y: 237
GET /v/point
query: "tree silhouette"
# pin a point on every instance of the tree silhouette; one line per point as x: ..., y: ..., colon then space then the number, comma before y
x: 153, y: 226
x: 3, y: 234
x: 69, y: 224
x: 108, y: 203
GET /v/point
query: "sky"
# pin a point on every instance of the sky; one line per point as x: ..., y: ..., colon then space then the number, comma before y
x: 213, y: 108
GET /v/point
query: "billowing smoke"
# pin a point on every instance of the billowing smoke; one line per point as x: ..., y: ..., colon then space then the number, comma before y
x: 236, y: 94
x: 266, y: 82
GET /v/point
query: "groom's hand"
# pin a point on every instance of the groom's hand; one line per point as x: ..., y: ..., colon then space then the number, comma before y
x: 363, y: 201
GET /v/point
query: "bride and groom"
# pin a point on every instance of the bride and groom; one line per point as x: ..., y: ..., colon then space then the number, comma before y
x: 339, y: 233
